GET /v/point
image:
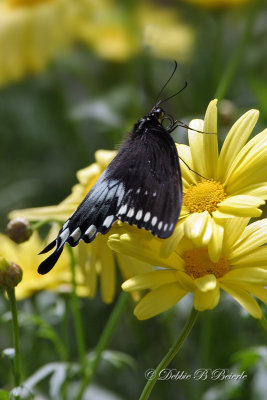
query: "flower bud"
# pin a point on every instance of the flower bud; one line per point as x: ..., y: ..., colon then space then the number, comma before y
x: 10, y: 274
x: 19, y: 230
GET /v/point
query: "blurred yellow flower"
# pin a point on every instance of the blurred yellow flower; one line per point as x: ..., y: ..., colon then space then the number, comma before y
x: 215, y: 4
x: 241, y: 269
x: 26, y: 256
x: 95, y: 260
x: 235, y: 184
x: 32, y: 32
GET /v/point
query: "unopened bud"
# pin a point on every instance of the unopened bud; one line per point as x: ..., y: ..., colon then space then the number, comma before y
x: 10, y: 274
x: 19, y: 230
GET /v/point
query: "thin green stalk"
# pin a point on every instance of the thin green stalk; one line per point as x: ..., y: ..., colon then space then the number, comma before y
x: 170, y: 355
x: 39, y: 224
x: 77, y: 316
x: 15, y: 328
x: 105, y: 339
x: 236, y: 58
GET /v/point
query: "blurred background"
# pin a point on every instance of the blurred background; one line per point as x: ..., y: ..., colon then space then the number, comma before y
x: 74, y: 77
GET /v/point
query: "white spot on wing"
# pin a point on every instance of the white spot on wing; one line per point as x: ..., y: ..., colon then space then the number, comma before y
x: 154, y: 221
x: 130, y: 212
x: 90, y: 231
x: 108, y: 221
x: 65, y: 225
x: 64, y: 235
x: 146, y: 192
x: 154, y: 194
x: 138, y: 191
x: 147, y: 216
x: 139, y: 215
x: 165, y: 227
x: 160, y: 224
x: 171, y: 226
x: 122, y: 210
x: 76, y: 234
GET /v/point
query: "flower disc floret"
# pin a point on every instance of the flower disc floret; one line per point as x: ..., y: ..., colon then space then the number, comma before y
x: 204, y: 196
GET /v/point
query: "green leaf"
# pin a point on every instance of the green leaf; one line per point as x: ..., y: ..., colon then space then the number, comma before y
x: 4, y: 395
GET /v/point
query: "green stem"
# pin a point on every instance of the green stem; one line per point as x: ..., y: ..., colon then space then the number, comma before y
x: 15, y: 328
x: 77, y: 316
x: 39, y: 224
x: 234, y: 63
x: 104, y: 340
x: 170, y: 355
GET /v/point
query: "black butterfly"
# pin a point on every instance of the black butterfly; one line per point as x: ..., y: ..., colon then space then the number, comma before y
x: 141, y: 186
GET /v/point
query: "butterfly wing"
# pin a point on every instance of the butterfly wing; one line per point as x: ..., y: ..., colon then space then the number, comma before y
x: 141, y: 186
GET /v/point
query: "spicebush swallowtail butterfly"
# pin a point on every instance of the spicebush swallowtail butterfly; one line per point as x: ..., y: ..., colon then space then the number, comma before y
x: 141, y: 186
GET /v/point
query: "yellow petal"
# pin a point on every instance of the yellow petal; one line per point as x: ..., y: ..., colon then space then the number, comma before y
x: 206, y: 300
x: 235, y: 140
x: 131, y: 245
x: 159, y: 300
x: 255, y: 258
x: 56, y: 213
x: 233, y: 228
x: 256, y: 190
x: 241, y: 205
x: 188, y: 176
x: 253, y: 236
x: 210, y: 140
x: 216, y: 242
x: 243, y: 298
x: 149, y: 280
x: 108, y: 273
x: 169, y: 245
x: 198, y: 228
x: 257, y: 291
x: 196, y: 146
x: 206, y: 283
x: 249, y: 275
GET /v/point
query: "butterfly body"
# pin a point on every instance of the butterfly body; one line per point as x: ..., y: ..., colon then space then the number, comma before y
x: 141, y: 186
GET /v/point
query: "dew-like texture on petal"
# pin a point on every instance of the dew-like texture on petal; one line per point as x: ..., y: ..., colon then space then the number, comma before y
x: 210, y: 140
x: 131, y: 245
x: 206, y: 301
x: 188, y: 176
x: 169, y: 245
x: 250, y: 275
x: 254, y: 235
x: 243, y: 298
x: 250, y: 164
x: 216, y: 242
x: 242, y: 205
x: 206, y: 283
x: 107, y: 277
x: 255, y: 258
x: 150, y: 280
x: 198, y: 228
x: 197, y: 147
x: 159, y: 300
x: 235, y: 140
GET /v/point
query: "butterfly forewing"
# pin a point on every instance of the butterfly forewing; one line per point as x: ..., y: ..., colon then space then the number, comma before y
x: 141, y: 186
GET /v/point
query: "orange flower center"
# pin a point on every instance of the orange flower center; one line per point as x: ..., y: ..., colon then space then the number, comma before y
x: 204, y: 196
x: 198, y: 264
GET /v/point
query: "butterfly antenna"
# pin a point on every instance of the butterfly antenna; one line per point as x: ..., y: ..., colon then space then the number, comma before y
x: 161, y: 90
x: 173, y: 95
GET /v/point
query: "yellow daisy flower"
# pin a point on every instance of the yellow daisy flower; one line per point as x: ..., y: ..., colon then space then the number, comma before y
x: 241, y: 269
x: 26, y: 256
x: 235, y: 184
x: 32, y: 32
x: 96, y: 260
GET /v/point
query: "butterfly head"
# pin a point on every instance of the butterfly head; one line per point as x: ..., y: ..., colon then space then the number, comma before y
x: 156, y: 114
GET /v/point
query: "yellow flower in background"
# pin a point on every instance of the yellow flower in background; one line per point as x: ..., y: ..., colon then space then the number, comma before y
x: 235, y: 184
x: 26, y: 256
x: 32, y: 32
x: 96, y: 260
x: 241, y: 269
x: 217, y: 4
